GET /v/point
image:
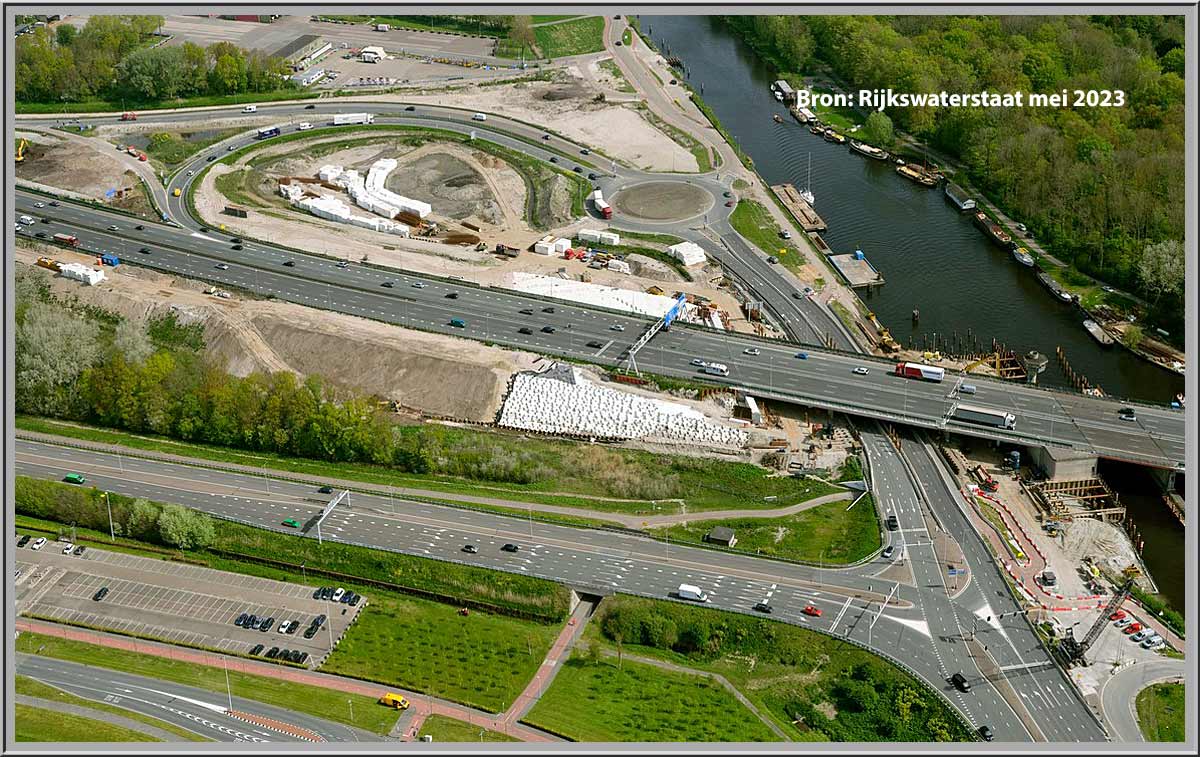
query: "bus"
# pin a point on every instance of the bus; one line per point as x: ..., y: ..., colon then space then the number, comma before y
x: 268, y: 132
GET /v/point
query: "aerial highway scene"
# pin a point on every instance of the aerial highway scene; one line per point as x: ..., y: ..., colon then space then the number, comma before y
x: 600, y: 379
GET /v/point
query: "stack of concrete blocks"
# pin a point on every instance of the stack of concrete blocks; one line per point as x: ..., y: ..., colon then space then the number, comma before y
x: 81, y: 272
x: 551, y: 403
x: 333, y: 209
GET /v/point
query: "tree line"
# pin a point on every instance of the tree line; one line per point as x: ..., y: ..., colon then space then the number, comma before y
x: 1098, y: 186
x: 113, y: 57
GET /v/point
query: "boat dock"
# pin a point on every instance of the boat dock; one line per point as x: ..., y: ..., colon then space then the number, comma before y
x: 801, y: 210
x: 856, y: 269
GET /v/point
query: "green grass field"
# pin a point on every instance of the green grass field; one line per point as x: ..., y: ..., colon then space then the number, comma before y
x: 827, y: 532
x: 704, y: 158
x: 175, y: 150
x: 1162, y: 712
x: 37, y: 724
x: 30, y: 687
x: 447, y: 729
x: 752, y: 220
x: 597, y: 701
x: 564, y: 473
x: 584, y: 35
x: 836, y: 691
x: 481, y: 660
x: 323, y: 703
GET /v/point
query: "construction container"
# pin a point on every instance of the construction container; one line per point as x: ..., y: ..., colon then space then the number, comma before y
x: 608, y: 237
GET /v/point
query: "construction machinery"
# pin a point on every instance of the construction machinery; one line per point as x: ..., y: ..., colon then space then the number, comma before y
x: 21, y: 151
x: 1075, y: 651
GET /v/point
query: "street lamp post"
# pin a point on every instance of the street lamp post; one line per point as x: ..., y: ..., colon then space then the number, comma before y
x: 111, y: 531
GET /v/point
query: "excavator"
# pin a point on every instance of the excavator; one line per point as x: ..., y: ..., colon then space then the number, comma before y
x: 21, y: 151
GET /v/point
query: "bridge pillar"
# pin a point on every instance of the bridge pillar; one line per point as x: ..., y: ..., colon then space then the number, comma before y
x: 1164, y: 478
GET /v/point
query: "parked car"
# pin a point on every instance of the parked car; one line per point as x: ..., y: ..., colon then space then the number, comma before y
x: 319, y: 620
x: 23, y: 540
x: 66, y: 550
x: 1153, y: 642
x: 354, y: 600
x: 79, y: 550
x: 346, y: 597
x: 41, y: 542
x: 327, y: 592
x: 266, y: 626
x: 257, y: 649
x: 1142, y: 634
x: 1123, y: 621
x: 1133, y: 628
x: 272, y: 653
x: 241, y: 620
x: 316, y: 593
x: 310, y: 632
x: 337, y: 594
x: 302, y: 657
x: 100, y: 594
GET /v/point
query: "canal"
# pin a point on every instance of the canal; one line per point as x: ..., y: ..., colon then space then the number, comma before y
x: 931, y: 256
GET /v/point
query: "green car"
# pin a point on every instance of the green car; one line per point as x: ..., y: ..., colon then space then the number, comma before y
x: 292, y: 523
x: 73, y: 478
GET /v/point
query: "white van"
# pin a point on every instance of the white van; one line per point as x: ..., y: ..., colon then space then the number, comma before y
x: 26, y: 220
x: 691, y: 593
x: 966, y: 389
x: 250, y: 109
x: 304, y: 126
x: 717, y: 369
x: 479, y: 117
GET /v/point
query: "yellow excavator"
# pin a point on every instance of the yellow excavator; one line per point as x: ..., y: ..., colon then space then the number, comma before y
x: 21, y: 151
x: 993, y: 359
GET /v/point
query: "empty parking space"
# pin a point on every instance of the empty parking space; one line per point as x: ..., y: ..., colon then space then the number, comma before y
x: 175, y: 602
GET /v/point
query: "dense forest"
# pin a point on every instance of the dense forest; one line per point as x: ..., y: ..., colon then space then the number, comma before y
x: 115, y: 57
x: 1098, y: 185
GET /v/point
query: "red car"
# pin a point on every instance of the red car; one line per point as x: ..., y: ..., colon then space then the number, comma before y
x: 1117, y: 615
x: 730, y: 204
x: 813, y: 611
x: 1133, y: 628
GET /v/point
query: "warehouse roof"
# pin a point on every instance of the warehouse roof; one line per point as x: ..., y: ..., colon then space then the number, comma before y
x: 295, y: 46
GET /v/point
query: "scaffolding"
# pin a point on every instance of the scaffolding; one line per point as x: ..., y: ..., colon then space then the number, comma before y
x: 1084, y: 498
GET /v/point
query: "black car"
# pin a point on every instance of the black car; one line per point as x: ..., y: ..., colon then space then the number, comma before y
x: 577, y: 169
x: 595, y: 344
x: 764, y: 607
x: 471, y: 549
x: 985, y: 733
x: 388, y: 284
x: 251, y: 622
x: 893, y: 523
x: 319, y: 621
x: 591, y: 177
x: 54, y: 203
x: 960, y: 682
x: 272, y: 653
x: 285, y: 655
x: 257, y: 649
x: 545, y: 136
x: 527, y: 311
x: 310, y: 106
x: 237, y: 247
x: 548, y: 310
x: 326, y: 490
x: 316, y: 593
x: 290, y: 263
x: 410, y: 108
x: 553, y: 159
x: 204, y: 229
x: 266, y: 626
x: 524, y: 330
x: 40, y: 234
x: 452, y: 295
x: 144, y: 250
x: 1127, y: 414
x: 140, y: 227
x: 100, y: 594
x: 211, y: 158
x: 510, y: 547
x: 47, y: 220
x: 236, y: 240
x: 310, y: 632
x: 354, y: 600
x: 327, y: 592
x: 346, y: 597
x: 241, y: 620
x: 302, y: 658
x: 79, y: 550
x: 23, y: 540
x: 547, y: 329
x: 585, y: 151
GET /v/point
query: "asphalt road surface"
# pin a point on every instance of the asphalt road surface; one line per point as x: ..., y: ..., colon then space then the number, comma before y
x: 197, y: 710
x: 822, y: 379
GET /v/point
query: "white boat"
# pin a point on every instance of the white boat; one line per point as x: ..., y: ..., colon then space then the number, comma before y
x: 1022, y: 256
x: 778, y: 95
x: 806, y: 194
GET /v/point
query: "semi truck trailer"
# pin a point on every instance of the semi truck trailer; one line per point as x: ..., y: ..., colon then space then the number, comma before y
x: 984, y: 417
x: 343, y: 119
x: 917, y: 370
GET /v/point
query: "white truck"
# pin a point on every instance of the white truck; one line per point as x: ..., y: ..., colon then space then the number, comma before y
x: 984, y: 416
x: 716, y: 369
x: 382, y: 27
x: 691, y: 593
x: 479, y: 117
x: 250, y: 109
x: 342, y: 119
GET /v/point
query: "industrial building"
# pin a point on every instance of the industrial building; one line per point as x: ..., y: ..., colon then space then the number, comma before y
x: 372, y: 54
x: 307, y: 78
x: 302, y: 51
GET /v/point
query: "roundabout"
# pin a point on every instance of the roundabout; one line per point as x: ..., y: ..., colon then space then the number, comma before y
x: 662, y: 201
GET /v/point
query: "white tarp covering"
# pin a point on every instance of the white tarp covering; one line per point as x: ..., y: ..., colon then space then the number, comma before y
x: 688, y: 253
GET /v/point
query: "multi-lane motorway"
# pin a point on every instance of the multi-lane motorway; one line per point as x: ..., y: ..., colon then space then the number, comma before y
x: 919, y: 627
x: 823, y: 378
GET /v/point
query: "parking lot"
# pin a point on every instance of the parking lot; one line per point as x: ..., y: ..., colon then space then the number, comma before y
x: 175, y: 602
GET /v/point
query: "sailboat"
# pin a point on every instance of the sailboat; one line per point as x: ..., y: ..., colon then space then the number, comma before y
x: 806, y: 194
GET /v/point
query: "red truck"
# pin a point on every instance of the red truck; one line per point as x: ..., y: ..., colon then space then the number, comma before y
x: 67, y: 239
x: 129, y: 116
x: 917, y: 370
x: 602, y: 207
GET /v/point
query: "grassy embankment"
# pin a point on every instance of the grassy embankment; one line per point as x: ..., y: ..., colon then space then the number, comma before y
x: 754, y: 222
x: 38, y: 724
x: 202, y: 101
x: 596, y: 701
x: 323, y: 703
x: 705, y: 159
x: 829, y: 533
x: 584, y: 35
x: 447, y: 729
x: 610, y: 66
x: 815, y: 688
x: 175, y: 148
x: 558, y: 472
x: 1162, y: 712
x: 34, y: 688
